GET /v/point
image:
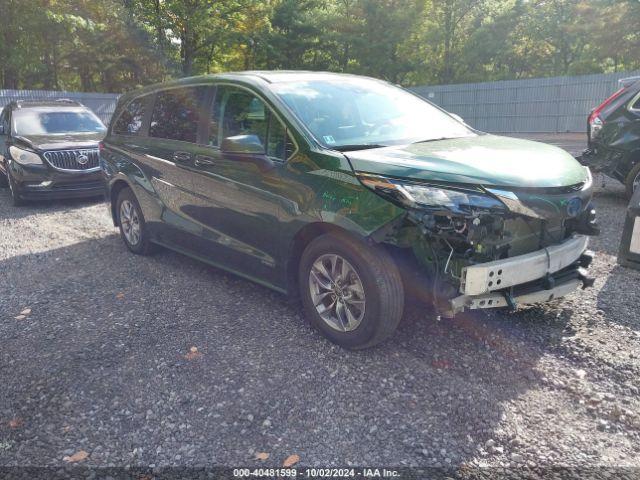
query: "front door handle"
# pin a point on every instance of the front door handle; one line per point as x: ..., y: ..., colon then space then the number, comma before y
x: 181, y: 156
x: 202, y: 160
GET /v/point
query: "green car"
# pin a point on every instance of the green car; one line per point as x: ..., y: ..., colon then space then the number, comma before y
x: 348, y: 192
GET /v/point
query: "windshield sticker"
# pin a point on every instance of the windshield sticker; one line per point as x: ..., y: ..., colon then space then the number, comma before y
x: 328, y: 139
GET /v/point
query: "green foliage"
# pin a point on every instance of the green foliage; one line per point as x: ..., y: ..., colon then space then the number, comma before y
x: 116, y: 45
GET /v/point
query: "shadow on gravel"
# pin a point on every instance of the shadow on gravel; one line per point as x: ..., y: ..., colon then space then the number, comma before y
x: 611, y: 208
x: 619, y: 297
x: 101, y: 364
x: 9, y: 212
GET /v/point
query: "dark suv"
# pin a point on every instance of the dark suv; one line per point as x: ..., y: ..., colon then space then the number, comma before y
x: 613, y: 130
x: 348, y: 191
x: 49, y: 149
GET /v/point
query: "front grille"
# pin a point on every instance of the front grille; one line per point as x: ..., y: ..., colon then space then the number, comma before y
x: 81, y: 159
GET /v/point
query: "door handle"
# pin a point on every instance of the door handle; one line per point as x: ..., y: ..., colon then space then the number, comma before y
x: 181, y: 156
x: 202, y: 160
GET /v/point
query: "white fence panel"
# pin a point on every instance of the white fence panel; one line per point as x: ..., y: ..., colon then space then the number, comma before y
x: 102, y: 104
x: 545, y: 105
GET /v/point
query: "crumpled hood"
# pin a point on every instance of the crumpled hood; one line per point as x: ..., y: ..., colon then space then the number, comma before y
x: 483, y: 159
x: 59, y: 142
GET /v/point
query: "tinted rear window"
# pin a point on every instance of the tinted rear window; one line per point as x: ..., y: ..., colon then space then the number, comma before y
x: 176, y: 114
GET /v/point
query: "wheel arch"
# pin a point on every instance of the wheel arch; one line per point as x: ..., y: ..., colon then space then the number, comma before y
x: 300, y: 241
x: 116, y: 187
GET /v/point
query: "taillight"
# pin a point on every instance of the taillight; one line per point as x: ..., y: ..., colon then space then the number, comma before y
x: 596, y: 113
x: 595, y: 121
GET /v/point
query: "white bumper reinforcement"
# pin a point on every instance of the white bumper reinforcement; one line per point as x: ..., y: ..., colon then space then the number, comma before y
x: 495, y: 300
x: 484, y: 278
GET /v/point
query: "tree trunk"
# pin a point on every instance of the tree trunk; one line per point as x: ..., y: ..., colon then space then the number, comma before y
x: 447, y: 67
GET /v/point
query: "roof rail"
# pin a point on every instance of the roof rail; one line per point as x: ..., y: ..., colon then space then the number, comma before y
x: 46, y: 101
x: 68, y: 100
x: 625, y: 82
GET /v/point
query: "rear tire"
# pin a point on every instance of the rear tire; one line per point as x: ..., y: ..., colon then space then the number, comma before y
x: 351, y: 292
x: 632, y: 182
x: 133, y: 228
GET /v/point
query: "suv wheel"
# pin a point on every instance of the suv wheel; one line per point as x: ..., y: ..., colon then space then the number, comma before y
x: 350, y: 291
x: 133, y: 228
x: 13, y: 190
x: 633, y: 180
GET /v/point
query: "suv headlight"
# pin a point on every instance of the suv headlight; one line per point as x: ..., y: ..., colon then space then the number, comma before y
x: 25, y: 157
x: 416, y: 195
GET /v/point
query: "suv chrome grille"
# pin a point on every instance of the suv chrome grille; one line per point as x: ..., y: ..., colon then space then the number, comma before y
x: 81, y: 159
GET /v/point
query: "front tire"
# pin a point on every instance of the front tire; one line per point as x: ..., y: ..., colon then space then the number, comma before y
x: 14, y: 192
x: 351, y: 292
x: 632, y: 182
x: 4, y: 181
x: 133, y: 228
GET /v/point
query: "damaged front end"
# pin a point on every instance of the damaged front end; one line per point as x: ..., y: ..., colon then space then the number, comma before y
x: 486, y: 247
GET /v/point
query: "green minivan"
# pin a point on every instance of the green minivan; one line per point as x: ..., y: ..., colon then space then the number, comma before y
x: 348, y: 192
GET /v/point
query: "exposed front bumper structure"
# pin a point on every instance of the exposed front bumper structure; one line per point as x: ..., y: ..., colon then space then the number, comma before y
x: 538, y: 276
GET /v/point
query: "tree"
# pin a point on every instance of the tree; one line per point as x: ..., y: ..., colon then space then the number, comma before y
x: 196, y: 26
x: 117, y: 45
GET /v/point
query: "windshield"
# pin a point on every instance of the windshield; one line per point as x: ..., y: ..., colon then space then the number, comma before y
x: 47, y: 122
x: 364, y: 112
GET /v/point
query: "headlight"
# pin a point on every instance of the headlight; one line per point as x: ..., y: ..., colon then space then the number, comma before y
x: 416, y: 195
x: 24, y: 157
x: 589, y: 181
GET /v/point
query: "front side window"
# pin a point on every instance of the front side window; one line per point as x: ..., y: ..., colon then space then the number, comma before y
x: 350, y: 112
x: 239, y: 112
x: 40, y: 121
x: 130, y: 120
x: 176, y: 114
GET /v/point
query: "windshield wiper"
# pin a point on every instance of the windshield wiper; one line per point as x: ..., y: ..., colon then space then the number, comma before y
x: 355, y: 146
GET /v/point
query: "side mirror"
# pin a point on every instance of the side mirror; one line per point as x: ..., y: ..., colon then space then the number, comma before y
x: 249, y: 144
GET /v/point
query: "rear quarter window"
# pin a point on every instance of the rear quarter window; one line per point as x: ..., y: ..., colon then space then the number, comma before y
x: 176, y: 114
x: 129, y: 122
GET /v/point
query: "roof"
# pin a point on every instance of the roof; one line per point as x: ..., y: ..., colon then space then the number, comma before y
x: 247, y: 77
x: 277, y: 76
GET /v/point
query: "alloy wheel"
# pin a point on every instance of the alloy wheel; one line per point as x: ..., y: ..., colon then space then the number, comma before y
x: 130, y: 222
x: 337, y: 292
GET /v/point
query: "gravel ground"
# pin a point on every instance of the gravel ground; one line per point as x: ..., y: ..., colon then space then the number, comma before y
x: 101, y: 360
